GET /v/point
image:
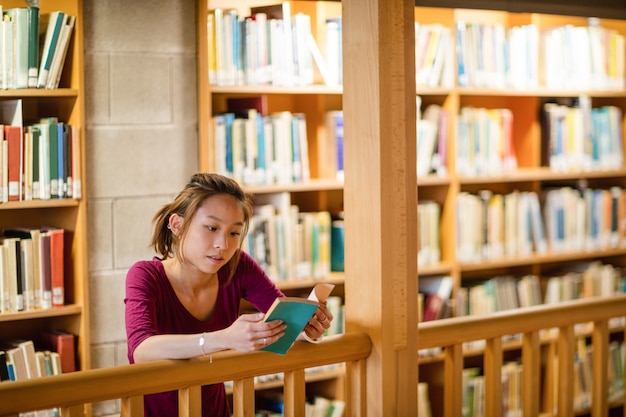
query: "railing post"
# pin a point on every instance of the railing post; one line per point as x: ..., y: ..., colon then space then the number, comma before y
x: 453, y: 380
x: 294, y: 393
x: 356, y: 404
x: 600, y: 393
x: 530, y: 374
x: 566, y: 348
x: 243, y: 397
x: 190, y: 401
x: 493, y: 377
x: 74, y: 411
x: 132, y: 406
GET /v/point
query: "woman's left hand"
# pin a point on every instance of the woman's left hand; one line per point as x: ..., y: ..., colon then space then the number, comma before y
x: 319, y: 323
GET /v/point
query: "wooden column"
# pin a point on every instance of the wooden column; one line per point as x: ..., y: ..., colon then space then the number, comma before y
x: 380, y: 196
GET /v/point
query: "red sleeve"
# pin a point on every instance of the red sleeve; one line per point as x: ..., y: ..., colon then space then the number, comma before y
x: 140, y: 305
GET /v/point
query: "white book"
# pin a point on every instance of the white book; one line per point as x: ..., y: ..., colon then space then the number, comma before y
x: 19, y: 18
x: 55, y: 23
x: 6, y: 53
x: 56, y: 67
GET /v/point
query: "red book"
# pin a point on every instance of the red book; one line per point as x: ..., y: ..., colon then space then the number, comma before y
x: 57, y: 260
x: 13, y: 136
x: 64, y: 343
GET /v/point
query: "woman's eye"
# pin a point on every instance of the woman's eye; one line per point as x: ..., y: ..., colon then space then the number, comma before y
x: 211, y: 228
x: 235, y: 233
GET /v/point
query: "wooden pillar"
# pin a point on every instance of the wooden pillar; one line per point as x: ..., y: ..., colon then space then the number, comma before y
x: 380, y: 196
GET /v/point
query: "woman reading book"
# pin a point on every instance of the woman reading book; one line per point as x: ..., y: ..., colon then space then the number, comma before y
x: 185, y: 303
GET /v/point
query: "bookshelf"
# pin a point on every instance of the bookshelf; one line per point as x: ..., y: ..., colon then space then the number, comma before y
x: 67, y: 103
x: 532, y: 174
x: 322, y: 191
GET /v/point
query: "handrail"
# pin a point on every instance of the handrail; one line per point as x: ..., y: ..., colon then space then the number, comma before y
x: 530, y: 322
x: 76, y: 389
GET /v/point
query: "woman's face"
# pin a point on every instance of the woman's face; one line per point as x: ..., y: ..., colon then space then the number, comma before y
x: 214, y: 233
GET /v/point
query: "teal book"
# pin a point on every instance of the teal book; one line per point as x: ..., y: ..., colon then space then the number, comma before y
x: 33, y: 45
x: 54, y: 23
x: 295, y: 312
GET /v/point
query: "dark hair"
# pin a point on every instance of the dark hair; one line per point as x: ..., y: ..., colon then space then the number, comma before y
x: 200, y: 187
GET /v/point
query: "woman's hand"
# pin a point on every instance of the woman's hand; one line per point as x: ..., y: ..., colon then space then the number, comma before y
x: 319, y: 323
x: 248, y: 333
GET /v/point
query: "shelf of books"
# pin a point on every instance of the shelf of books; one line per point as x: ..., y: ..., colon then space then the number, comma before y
x: 270, y: 116
x: 43, y: 252
x: 520, y: 119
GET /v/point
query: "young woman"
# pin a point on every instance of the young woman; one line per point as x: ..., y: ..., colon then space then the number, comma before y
x: 185, y: 303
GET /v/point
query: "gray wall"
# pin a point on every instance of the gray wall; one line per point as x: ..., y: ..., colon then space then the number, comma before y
x: 141, y: 145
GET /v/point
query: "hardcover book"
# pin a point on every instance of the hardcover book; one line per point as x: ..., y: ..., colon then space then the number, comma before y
x: 295, y: 312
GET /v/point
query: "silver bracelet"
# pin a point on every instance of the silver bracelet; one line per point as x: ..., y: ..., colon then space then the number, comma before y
x: 201, y: 342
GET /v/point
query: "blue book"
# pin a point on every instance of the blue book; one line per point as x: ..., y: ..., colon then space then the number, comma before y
x: 295, y: 312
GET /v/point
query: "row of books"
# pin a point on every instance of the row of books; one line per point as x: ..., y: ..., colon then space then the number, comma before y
x: 514, y: 224
x: 473, y: 391
x: 33, y: 47
x: 484, y: 142
x: 53, y: 354
x: 506, y: 292
x: 258, y: 150
x: 432, y: 139
x: 271, y: 46
x: 32, y: 269
x: 428, y: 244
x: 290, y: 244
x: 577, y: 137
x: 524, y: 57
x: 473, y: 383
x: 272, y: 404
x: 39, y: 160
x: 25, y: 359
x: 434, y: 56
x: 583, y: 375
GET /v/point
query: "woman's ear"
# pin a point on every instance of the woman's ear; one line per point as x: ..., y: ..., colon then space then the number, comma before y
x: 174, y: 224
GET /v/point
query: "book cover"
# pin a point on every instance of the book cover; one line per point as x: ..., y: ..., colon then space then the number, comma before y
x: 76, y: 181
x: 58, y: 60
x: 295, y: 312
x: 33, y: 45
x: 45, y: 271
x: 15, y: 150
x: 64, y: 343
x: 12, y: 284
x: 56, y: 264
x: 53, y: 22
x: 20, y: 17
x: 4, y: 371
x: 30, y: 246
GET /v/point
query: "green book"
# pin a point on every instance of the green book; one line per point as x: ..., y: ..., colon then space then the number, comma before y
x: 295, y: 312
x: 33, y: 45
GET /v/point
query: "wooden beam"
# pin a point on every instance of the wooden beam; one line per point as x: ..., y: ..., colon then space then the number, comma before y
x: 380, y: 196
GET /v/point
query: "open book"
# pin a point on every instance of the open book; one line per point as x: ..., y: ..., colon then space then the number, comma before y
x: 295, y: 312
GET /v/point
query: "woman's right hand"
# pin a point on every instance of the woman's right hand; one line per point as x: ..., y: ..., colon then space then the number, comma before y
x: 249, y: 333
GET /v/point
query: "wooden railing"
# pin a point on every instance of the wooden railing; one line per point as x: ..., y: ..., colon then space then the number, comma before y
x: 73, y: 391
x: 532, y: 324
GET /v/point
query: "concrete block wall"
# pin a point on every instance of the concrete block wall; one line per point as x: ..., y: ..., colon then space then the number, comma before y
x: 141, y: 145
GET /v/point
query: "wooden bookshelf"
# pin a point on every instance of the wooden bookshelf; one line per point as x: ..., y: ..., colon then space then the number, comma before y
x: 323, y: 192
x: 524, y: 103
x: 532, y: 174
x: 68, y: 104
